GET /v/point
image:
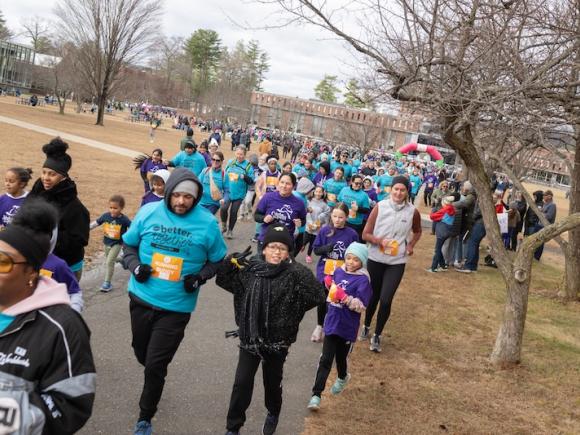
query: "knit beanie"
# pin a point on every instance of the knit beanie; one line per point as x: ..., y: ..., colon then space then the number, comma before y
x: 277, y: 233
x: 305, y: 186
x: 448, y: 200
x: 360, y: 251
x: 401, y: 179
x: 326, y: 165
x: 56, y: 157
x: 187, y: 186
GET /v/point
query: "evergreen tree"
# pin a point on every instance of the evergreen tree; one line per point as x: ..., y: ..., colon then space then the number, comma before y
x: 327, y: 90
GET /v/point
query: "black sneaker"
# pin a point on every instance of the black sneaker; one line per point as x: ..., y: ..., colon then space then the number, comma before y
x: 270, y: 424
x: 365, y: 333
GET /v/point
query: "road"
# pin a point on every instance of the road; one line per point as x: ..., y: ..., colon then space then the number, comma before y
x: 201, y: 375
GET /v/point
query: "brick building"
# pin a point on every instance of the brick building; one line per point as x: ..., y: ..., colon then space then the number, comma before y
x: 333, y: 122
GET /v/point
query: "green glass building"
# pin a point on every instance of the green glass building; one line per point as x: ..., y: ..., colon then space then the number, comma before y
x: 15, y: 66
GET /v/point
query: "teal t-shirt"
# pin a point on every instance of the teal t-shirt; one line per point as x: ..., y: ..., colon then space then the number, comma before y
x: 347, y: 168
x: 194, y: 162
x: 384, y: 183
x: 236, y: 187
x: 333, y: 188
x: 175, y: 246
x: 348, y: 195
x: 415, y: 182
x: 5, y: 321
x: 219, y: 178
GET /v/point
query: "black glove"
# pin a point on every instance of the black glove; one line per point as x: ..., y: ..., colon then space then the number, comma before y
x: 142, y: 272
x: 240, y: 259
x: 325, y: 249
x: 192, y: 282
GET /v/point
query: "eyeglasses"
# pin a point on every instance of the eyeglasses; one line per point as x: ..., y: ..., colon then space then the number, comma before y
x: 280, y: 248
x: 7, y: 263
x: 216, y: 160
x: 356, y: 183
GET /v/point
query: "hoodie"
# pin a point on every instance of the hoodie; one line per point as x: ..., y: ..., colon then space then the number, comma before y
x: 47, y: 370
x: 174, y: 246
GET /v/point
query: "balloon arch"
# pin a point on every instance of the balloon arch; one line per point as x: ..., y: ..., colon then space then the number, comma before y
x: 429, y: 149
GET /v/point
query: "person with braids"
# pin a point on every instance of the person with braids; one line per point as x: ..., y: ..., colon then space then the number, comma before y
x: 15, y: 181
x: 148, y: 165
x: 56, y: 187
x: 272, y: 292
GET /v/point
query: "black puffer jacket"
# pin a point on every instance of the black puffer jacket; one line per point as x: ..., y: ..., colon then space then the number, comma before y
x: 73, y: 220
x: 270, y: 301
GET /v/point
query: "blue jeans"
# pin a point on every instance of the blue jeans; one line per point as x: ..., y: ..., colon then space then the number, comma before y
x: 438, y: 259
x: 533, y: 230
x: 477, y: 235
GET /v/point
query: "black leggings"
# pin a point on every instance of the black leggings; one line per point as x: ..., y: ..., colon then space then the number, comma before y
x: 309, y: 241
x: 235, y: 206
x: 333, y: 348
x: 385, y: 280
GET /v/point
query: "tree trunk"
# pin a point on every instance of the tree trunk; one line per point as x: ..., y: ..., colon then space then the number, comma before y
x: 508, y: 344
x: 571, y: 285
x: 101, y: 101
x: 61, y: 103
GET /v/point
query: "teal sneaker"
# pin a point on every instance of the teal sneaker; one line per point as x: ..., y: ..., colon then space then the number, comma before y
x: 143, y: 428
x: 314, y: 404
x: 339, y: 385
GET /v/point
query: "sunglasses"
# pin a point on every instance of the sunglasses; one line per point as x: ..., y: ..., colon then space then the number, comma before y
x: 216, y: 160
x: 356, y: 183
x: 7, y: 263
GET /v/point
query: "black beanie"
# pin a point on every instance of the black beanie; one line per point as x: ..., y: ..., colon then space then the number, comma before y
x: 56, y: 157
x: 326, y: 166
x: 279, y: 233
x: 33, y: 246
x: 401, y: 179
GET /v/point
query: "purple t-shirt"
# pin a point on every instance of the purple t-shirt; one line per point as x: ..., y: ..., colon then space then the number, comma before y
x: 207, y: 158
x: 319, y: 179
x: 8, y: 208
x: 283, y: 210
x: 341, y: 239
x: 150, y: 166
x: 150, y: 197
x: 56, y: 268
x: 340, y: 320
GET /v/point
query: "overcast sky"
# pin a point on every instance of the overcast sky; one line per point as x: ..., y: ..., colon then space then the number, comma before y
x: 299, y: 56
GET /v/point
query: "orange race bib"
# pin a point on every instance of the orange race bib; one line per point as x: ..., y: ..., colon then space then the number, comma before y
x: 331, y: 265
x: 166, y: 267
x: 387, y: 189
x: 331, y: 197
x: 112, y: 231
x: 271, y: 181
x: 392, y: 249
x: 233, y: 176
x: 46, y: 273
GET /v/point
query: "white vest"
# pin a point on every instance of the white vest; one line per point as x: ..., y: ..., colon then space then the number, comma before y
x: 393, y: 222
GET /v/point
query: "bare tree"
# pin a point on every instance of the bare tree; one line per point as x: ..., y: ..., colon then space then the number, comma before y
x: 109, y: 34
x: 38, y: 31
x: 472, y: 64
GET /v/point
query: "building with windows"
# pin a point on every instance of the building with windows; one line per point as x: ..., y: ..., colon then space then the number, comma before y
x: 335, y: 123
x: 549, y: 168
x: 15, y: 66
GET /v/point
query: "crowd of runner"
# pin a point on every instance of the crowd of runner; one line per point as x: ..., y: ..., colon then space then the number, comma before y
x: 353, y: 215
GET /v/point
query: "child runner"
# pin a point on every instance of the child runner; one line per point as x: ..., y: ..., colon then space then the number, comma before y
x: 115, y: 225
x: 149, y: 165
x: 318, y: 215
x: 350, y: 292
x: 157, y: 183
x: 15, y: 181
x: 331, y: 244
x: 444, y: 218
x: 334, y: 185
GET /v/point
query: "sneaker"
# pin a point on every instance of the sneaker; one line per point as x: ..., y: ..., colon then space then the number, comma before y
x: 431, y: 270
x: 457, y: 265
x: 376, y: 343
x: 365, y: 333
x: 270, y: 424
x: 339, y: 385
x: 254, y: 239
x: 232, y: 432
x: 464, y: 270
x: 229, y: 235
x: 442, y: 269
x: 106, y: 287
x: 308, y: 259
x: 224, y: 228
x: 314, y: 404
x: 143, y: 428
x: 317, y: 334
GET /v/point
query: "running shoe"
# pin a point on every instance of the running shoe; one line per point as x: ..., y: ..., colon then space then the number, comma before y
x: 464, y: 270
x: 457, y: 265
x: 254, y: 239
x: 442, y: 269
x: 270, y: 424
x: 106, y: 287
x: 143, y: 428
x: 308, y: 259
x: 365, y: 333
x: 314, y: 404
x: 232, y: 432
x: 376, y: 343
x: 339, y: 385
x: 317, y: 334
x: 229, y: 235
x: 432, y: 270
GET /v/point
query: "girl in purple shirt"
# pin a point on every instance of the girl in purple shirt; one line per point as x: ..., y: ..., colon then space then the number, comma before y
x: 15, y: 181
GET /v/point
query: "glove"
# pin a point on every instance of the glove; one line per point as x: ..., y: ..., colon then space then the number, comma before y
x: 355, y: 304
x: 192, y: 282
x: 142, y: 272
x: 328, y: 281
x: 240, y: 259
x: 337, y: 294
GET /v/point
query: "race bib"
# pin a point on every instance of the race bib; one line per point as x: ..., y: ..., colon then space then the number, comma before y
x: 45, y: 272
x: 387, y: 189
x: 9, y: 415
x: 233, y: 176
x: 331, y: 197
x: 352, y: 214
x: 430, y: 185
x: 112, y: 231
x: 271, y: 181
x: 331, y: 265
x: 166, y: 267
